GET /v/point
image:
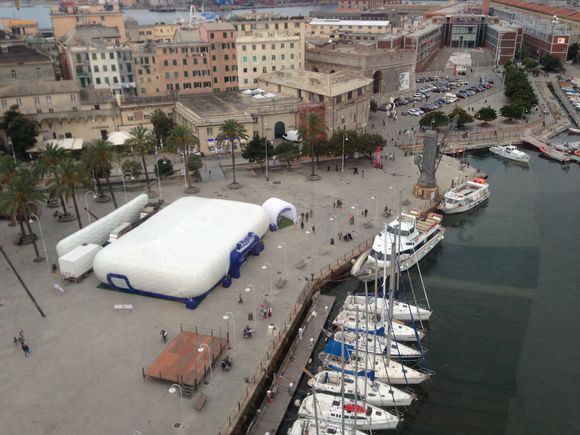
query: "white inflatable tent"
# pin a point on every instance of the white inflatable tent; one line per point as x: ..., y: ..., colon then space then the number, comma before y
x: 276, y: 207
x: 181, y: 252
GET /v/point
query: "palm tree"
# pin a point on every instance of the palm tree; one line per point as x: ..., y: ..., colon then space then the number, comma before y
x: 313, y: 130
x: 20, y: 200
x: 232, y: 131
x: 179, y: 141
x: 70, y: 176
x: 46, y: 166
x: 8, y: 169
x: 143, y: 141
x: 99, y: 155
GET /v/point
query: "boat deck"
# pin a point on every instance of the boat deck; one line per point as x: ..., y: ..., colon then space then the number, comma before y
x: 180, y: 361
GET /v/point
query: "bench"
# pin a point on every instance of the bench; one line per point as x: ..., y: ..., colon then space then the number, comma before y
x: 200, y: 402
x: 123, y: 307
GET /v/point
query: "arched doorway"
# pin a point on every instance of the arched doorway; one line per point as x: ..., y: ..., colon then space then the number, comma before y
x: 377, y: 79
x: 279, y: 129
x: 314, y: 69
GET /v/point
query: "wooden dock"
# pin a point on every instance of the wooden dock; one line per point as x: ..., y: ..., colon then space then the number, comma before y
x: 181, y: 362
x: 273, y: 411
x: 533, y: 141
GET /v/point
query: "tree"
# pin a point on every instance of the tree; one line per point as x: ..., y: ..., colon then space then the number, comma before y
x: 551, y: 63
x: 20, y: 200
x: 255, y: 150
x: 366, y: 144
x: 522, y: 54
x: 21, y: 130
x: 486, y: 114
x: 8, y: 169
x: 132, y: 166
x: 180, y: 140
x: 513, y: 110
x: 163, y: 167
x: 573, y: 51
x: 193, y: 164
x: 162, y: 125
x: 143, y: 142
x: 530, y: 64
x: 47, y: 166
x: 313, y: 130
x: 374, y: 105
x: 462, y: 116
x: 434, y: 119
x: 99, y: 158
x: 70, y: 175
x: 231, y: 132
x: 287, y: 152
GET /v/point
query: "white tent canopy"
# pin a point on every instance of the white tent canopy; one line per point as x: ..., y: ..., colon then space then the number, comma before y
x: 119, y: 138
x: 275, y: 207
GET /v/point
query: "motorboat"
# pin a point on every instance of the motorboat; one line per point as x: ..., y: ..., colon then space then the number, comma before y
x: 510, y: 152
x: 305, y: 426
x: 347, y: 320
x: 574, y: 130
x: 401, y: 311
x: 377, y: 393
x: 575, y: 156
x: 375, y: 344
x: 331, y: 409
x: 399, y: 351
x: 383, y: 369
x: 465, y: 196
x: 419, y: 235
x: 553, y: 153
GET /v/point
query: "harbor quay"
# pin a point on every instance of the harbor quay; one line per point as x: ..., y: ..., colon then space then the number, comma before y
x: 85, y: 372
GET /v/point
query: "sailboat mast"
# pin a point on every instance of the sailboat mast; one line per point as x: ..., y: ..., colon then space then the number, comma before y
x: 315, y: 411
x: 375, y: 322
x: 355, y: 372
x: 366, y: 336
x: 342, y: 381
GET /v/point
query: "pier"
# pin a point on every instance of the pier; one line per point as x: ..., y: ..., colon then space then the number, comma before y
x: 274, y: 406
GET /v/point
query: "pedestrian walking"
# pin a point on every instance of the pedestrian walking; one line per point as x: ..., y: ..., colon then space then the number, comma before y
x: 163, y: 334
x: 307, y: 216
x: 366, y: 212
x: 269, y: 311
x: 311, y: 213
x: 302, y: 216
x: 339, y: 236
x: 313, y: 229
x: 26, y: 349
x: 301, y: 225
x: 363, y: 173
x: 333, y: 204
x: 20, y: 338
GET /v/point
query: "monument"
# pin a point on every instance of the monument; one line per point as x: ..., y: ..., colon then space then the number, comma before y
x: 427, y: 162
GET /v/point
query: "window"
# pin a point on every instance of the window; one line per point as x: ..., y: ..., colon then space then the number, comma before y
x: 79, y: 58
x: 291, y: 45
x: 115, y: 79
x: 273, y: 46
x: 111, y: 55
x: 167, y: 75
x: 103, y: 55
x: 254, y: 59
x: 94, y: 56
x: 96, y: 68
x: 282, y: 45
x: 225, y: 34
x: 254, y: 69
x: 264, y: 70
x: 174, y: 62
x: 209, y: 131
x: 245, y: 70
x: 245, y: 81
x: 105, y: 68
x: 212, y: 46
x: 113, y: 68
x: 213, y: 57
x: 273, y: 57
x: 227, y: 67
x: 283, y: 57
x: 214, y: 69
x: 244, y: 59
x: 243, y: 46
x: 36, y: 100
x: 184, y: 61
x: 176, y: 75
x: 73, y: 97
x: 185, y: 73
x: 263, y: 58
x: 263, y: 46
x: 254, y: 47
x: 98, y: 81
x: 292, y: 56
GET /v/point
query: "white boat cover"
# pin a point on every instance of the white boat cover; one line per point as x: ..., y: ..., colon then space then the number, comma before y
x: 183, y: 250
x: 276, y: 207
x: 98, y: 232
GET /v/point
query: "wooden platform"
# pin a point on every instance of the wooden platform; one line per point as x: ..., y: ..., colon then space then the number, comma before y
x: 181, y: 363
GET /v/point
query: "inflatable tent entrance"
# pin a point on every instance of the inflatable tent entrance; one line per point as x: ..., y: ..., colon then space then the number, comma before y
x: 276, y: 207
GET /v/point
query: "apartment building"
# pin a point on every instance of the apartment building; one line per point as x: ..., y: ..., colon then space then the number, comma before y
x: 335, y: 27
x: 19, y: 27
x: 66, y: 17
x: 222, y: 53
x: 21, y: 63
x: 159, y: 32
x: 503, y: 41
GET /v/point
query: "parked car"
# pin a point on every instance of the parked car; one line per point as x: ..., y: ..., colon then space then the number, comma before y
x: 418, y: 97
x: 415, y: 112
x: 469, y: 92
x: 461, y: 94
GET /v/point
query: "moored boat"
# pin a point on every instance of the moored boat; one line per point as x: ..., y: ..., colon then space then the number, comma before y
x: 400, y: 331
x: 465, y: 196
x: 305, y: 426
x: 358, y: 342
x: 401, y: 310
x: 554, y: 154
x: 510, y: 152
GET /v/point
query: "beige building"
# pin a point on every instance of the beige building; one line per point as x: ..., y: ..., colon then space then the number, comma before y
x: 153, y: 33
x: 266, y: 116
x: 22, y: 64
x: 335, y: 27
x: 344, y: 96
x: 20, y: 28
x: 66, y: 18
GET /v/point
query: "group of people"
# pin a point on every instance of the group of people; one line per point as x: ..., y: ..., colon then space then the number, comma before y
x: 346, y: 237
x: 248, y: 332
x: 23, y: 343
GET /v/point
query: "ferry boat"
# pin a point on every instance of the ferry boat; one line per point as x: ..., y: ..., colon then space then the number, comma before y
x: 377, y: 393
x: 401, y: 310
x: 465, y: 196
x: 419, y: 235
x: 305, y: 426
x: 331, y: 409
x: 510, y: 152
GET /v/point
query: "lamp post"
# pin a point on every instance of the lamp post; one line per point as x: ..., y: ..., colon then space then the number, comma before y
x: 226, y: 317
x: 124, y: 187
x: 248, y: 289
x: 374, y: 197
x: 173, y: 389
x: 335, y: 220
x: 87, y: 204
x: 159, y: 179
x: 522, y: 117
x: 267, y: 165
x: 355, y: 208
x: 280, y: 246
x: 200, y: 349
x: 344, y: 138
x: 313, y: 249
x: 12, y: 148
x: 265, y: 266
x: 39, y: 259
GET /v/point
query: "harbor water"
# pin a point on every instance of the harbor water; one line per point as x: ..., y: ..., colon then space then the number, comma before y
x: 505, y: 289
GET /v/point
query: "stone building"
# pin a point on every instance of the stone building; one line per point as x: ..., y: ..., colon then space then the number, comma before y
x: 66, y: 17
x: 345, y: 97
x: 392, y: 71
x: 22, y: 64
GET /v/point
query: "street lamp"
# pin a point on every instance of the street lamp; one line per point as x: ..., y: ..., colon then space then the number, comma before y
x: 374, y: 197
x: 87, y: 204
x: 12, y: 147
x: 200, y: 349
x: 265, y: 266
x: 124, y: 187
x: 522, y: 117
x: 173, y: 389
x: 248, y: 289
x: 344, y: 138
x: 313, y: 249
x: 267, y: 165
x: 39, y: 258
x: 226, y: 317
x: 159, y: 177
x: 280, y: 246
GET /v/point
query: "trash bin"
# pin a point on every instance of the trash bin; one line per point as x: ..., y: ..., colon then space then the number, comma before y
x: 332, y: 240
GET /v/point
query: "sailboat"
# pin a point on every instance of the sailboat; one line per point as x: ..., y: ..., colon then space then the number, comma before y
x: 377, y: 393
x: 347, y: 320
x: 330, y: 409
x: 305, y: 426
x: 401, y: 311
x: 378, y: 345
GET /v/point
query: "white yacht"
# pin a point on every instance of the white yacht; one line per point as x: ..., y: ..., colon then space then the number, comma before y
x: 418, y: 237
x: 401, y: 311
x: 347, y: 320
x: 377, y: 393
x: 375, y: 344
x: 383, y: 369
x: 465, y: 196
x: 510, y: 152
x: 331, y: 409
x: 305, y: 426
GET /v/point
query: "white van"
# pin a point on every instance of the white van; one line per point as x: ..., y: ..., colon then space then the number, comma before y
x: 292, y: 136
x: 451, y: 97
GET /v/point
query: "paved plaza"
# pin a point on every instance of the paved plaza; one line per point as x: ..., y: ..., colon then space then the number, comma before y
x: 85, y: 371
